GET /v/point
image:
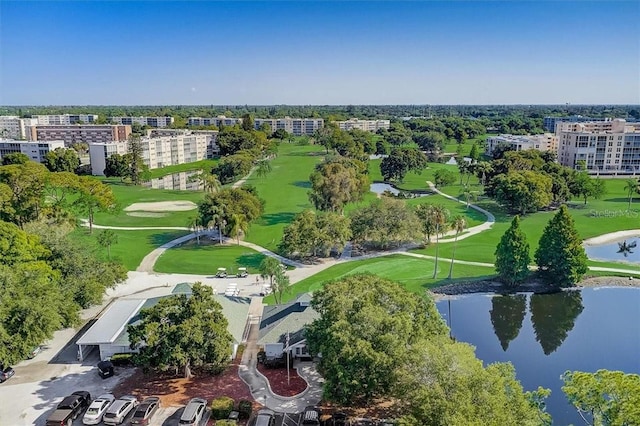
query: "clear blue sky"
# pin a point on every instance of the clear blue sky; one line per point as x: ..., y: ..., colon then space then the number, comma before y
x: 159, y: 52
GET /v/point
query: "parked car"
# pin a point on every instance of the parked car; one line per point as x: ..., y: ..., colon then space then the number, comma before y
x: 69, y: 409
x: 311, y: 416
x: 119, y: 409
x: 35, y: 351
x: 145, y: 411
x: 105, y: 369
x: 265, y: 418
x: 193, y: 412
x: 96, y: 410
x: 6, y: 374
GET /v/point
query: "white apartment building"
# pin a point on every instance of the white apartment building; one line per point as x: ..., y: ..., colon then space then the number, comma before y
x: 36, y: 150
x: 543, y: 142
x: 612, y: 145
x: 65, y: 119
x: 366, y: 125
x: 213, y: 149
x: 144, y: 121
x: 295, y: 126
x: 214, y: 121
x: 157, y: 152
x: 78, y: 133
x: 12, y: 126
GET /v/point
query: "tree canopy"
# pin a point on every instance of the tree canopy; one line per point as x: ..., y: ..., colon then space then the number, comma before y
x: 311, y: 234
x: 62, y: 160
x: 401, y: 161
x: 230, y: 207
x: 384, y: 222
x: 512, y: 255
x: 336, y: 182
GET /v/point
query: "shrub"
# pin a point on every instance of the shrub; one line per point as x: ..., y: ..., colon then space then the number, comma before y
x: 122, y: 359
x: 245, y: 408
x: 226, y: 423
x: 221, y: 407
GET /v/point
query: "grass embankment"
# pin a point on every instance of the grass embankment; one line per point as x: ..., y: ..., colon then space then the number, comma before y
x: 186, y: 167
x: 206, y: 258
x: 132, y: 246
x: 413, y: 273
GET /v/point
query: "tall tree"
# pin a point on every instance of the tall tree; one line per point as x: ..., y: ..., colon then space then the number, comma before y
x: 439, y: 216
x: 523, y: 192
x: 180, y: 332
x: 384, y: 222
x: 263, y: 168
x: 238, y: 226
x: 195, y: 226
x: 138, y: 171
x: 336, y: 182
x: 117, y: 165
x: 216, y: 220
x: 269, y: 268
x: 482, y: 169
x: 94, y: 196
x: 280, y: 285
x: 15, y: 158
x: 560, y: 257
x: 229, y: 202
x: 62, y: 160
x: 107, y: 238
x: 24, y: 192
x: 631, y: 186
x: 425, y: 218
x: 474, y: 154
x: 209, y: 181
x: 443, y: 177
x: 457, y: 224
x: 401, y: 161
x: 247, y: 123
x: 584, y: 186
x: 512, y: 255
x: 604, y: 398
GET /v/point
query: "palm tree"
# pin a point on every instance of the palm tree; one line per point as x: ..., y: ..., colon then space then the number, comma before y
x: 217, y: 220
x: 423, y: 212
x: 282, y: 283
x: 194, y: 225
x: 439, y: 217
x: 209, y: 181
x: 264, y: 168
x: 481, y: 169
x: 469, y: 195
x: 458, y: 224
x: 631, y: 186
x: 239, y: 225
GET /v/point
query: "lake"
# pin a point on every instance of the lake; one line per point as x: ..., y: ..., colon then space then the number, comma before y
x: 614, y: 251
x: 381, y: 188
x: 545, y: 335
x: 177, y: 181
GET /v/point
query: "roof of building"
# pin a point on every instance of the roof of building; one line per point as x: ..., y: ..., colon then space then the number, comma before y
x: 110, y: 325
x: 291, y: 318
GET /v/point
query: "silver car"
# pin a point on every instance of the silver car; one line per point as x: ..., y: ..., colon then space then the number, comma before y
x: 96, y: 410
x: 119, y: 409
x: 193, y: 412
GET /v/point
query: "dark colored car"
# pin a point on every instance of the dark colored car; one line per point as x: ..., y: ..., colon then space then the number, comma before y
x: 105, y: 369
x: 6, y: 374
x: 311, y: 416
x: 338, y: 419
x: 145, y: 411
x: 69, y: 409
x: 265, y: 418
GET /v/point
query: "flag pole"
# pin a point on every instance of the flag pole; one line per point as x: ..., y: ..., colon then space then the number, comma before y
x: 287, y: 355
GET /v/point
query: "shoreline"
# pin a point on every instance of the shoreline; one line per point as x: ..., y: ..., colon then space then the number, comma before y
x: 534, y: 286
x: 611, y: 237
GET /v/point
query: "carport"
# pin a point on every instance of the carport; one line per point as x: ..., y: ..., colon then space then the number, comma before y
x: 105, y: 331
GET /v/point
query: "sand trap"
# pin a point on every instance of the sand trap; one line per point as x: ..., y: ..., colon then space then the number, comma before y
x: 146, y: 214
x: 613, y: 236
x: 162, y: 206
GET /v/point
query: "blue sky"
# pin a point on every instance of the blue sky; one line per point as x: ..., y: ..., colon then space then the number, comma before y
x: 160, y: 52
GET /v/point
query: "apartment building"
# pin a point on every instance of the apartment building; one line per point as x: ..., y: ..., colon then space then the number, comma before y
x: 70, y: 134
x: 214, y: 121
x: 161, y: 151
x: 144, y: 121
x: 611, y: 145
x: 295, y: 126
x: 13, y: 127
x: 543, y: 142
x: 213, y: 150
x: 65, y: 119
x: 36, y: 150
x: 366, y: 125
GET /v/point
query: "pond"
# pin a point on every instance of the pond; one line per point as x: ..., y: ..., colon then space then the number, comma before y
x: 543, y: 335
x: 381, y: 188
x: 623, y: 250
x: 177, y: 181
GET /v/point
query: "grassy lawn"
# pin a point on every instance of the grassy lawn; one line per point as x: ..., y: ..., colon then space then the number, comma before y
x: 413, y: 273
x: 205, y: 259
x: 186, y: 167
x: 129, y: 194
x: 132, y: 246
x: 284, y: 190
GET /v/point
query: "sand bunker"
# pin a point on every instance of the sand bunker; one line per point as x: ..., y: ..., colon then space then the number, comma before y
x: 162, y: 206
x: 146, y: 214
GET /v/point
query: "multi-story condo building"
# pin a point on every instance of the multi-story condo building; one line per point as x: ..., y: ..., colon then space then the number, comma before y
x: 366, y: 125
x: 36, y: 150
x: 66, y: 119
x: 213, y: 149
x: 295, y: 126
x: 144, y: 121
x: 12, y: 126
x: 611, y: 145
x: 180, y: 147
x: 543, y: 142
x: 70, y: 134
x: 214, y: 121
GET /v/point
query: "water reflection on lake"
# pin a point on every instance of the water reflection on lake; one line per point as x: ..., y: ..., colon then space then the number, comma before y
x: 626, y: 250
x: 179, y: 181
x: 544, y: 335
x: 381, y: 188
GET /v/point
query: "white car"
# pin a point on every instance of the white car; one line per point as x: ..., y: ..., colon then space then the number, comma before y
x: 119, y: 409
x: 96, y: 410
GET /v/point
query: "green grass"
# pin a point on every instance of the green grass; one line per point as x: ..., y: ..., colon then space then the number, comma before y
x: 284, y: 191
x: 186, y: 167
x: 413, y: 273
x: 129, y: 194
x: 205, y: 259
x: 132, y: 246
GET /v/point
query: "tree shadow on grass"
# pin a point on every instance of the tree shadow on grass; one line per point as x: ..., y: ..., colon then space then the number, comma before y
x: 161, y: 237
x: 276, y: 218
x: 620, y: 200
x: 302, y: 184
